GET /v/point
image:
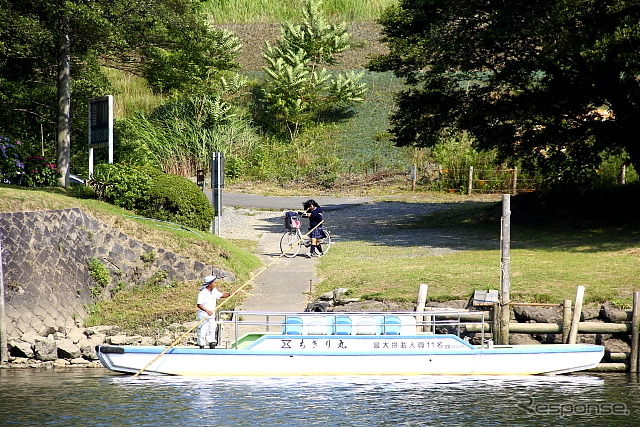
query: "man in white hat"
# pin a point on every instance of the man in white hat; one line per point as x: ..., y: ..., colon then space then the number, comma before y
x: 206, y: 303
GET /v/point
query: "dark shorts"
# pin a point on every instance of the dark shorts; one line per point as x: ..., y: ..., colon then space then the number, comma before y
x: 318, y: 233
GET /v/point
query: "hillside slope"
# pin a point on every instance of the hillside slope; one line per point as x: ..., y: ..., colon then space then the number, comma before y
x: 365, y: 43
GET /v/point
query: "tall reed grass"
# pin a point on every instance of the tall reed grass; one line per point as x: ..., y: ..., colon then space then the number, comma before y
x: 245, y: 11
x: 132, y: 93
x: 182, y: 147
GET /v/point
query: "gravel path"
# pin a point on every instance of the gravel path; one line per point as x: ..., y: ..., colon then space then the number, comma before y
x: 377, y: 222
x: 251, y: 224
x: 372, y: 222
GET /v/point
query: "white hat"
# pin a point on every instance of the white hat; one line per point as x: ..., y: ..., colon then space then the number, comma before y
x: 209, y: 279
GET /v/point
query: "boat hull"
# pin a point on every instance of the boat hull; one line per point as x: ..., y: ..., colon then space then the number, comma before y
x: 282, y: 355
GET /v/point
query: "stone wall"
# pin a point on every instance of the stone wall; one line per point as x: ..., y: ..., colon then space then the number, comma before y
x: 47, y: 282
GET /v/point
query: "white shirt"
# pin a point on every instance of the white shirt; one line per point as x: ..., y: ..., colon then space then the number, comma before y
x: 208, y: 299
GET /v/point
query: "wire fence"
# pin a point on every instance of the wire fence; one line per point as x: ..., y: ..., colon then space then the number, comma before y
x: 471, y: 180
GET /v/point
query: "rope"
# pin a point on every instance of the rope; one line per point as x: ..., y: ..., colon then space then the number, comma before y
x: 181, y: 337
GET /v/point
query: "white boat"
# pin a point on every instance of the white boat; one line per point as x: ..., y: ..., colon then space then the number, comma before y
x: 384, y: 343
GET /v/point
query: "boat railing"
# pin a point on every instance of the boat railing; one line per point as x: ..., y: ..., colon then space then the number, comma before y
x: 243, y: 325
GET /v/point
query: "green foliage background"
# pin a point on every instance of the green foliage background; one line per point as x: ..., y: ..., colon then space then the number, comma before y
x: 158, y: 123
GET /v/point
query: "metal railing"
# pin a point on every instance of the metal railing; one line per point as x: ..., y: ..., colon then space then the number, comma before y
x: 244, y: 323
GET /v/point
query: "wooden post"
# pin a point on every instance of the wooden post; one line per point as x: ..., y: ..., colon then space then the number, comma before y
x: 573, y: 333
x: 505, y: 270
x: 514, y: 188
x: 556, y: 328
x: 566, y: 320
x: 4, y: 351
x: 470, y: 185
x: 635, y: 326
x: 496, y: 322
x: 422, y: 300
x: 413, y: 176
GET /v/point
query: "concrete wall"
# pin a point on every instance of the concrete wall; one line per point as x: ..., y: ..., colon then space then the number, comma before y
x: 46, y: 278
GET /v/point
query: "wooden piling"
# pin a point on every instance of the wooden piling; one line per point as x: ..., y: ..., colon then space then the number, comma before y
x: 577, y: 312
x: 635, y: 327
x: 566, y: 320
x: 618, y: 356
x: 610, y: 367
x: 422, y: 300
x: 505, y: 270
x: 494, y: 326
x: 556, y: 328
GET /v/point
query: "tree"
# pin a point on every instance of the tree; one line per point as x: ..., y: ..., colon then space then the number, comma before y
x: 554, y: 84
x: 299, y: 91
x: 46, y: 41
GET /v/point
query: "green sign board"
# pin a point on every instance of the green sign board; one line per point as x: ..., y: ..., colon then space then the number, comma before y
x: 100, y: 121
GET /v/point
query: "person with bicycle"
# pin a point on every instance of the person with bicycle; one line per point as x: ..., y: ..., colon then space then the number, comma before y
x: 316, y: 216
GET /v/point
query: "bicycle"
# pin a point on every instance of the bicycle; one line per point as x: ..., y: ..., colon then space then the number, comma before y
x: 293, y: 239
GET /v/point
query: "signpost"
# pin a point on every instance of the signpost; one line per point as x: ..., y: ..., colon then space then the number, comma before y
x: 100, y: 126
x: 217, y: 182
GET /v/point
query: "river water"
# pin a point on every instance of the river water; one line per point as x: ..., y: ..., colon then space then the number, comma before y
x: 96, y: 397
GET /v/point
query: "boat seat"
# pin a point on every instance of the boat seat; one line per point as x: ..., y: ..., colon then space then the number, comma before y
x: 392, y: 325
x: 343, y: 325
x: 316, y: 325
x: 364, y: 325
x: 407, y: 325
x: 292, y: 325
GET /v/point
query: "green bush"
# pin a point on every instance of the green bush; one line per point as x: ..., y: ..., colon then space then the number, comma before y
x: 176, y: 199
x: 153, y: 194
x: 122, y: 185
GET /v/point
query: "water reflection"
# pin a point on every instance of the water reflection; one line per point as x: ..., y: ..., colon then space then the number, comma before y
x: 95, y: 397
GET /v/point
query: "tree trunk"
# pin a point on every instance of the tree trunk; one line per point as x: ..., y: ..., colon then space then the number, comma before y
x: 64, y: 102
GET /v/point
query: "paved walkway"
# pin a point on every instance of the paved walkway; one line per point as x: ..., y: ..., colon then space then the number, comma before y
x: 285, y: 284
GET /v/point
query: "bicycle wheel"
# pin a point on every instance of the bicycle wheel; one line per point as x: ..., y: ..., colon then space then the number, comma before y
x: 290, y: 244
x: 326, y: 241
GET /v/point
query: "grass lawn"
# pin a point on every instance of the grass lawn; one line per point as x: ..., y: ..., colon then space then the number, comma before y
x: 547, y: 263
